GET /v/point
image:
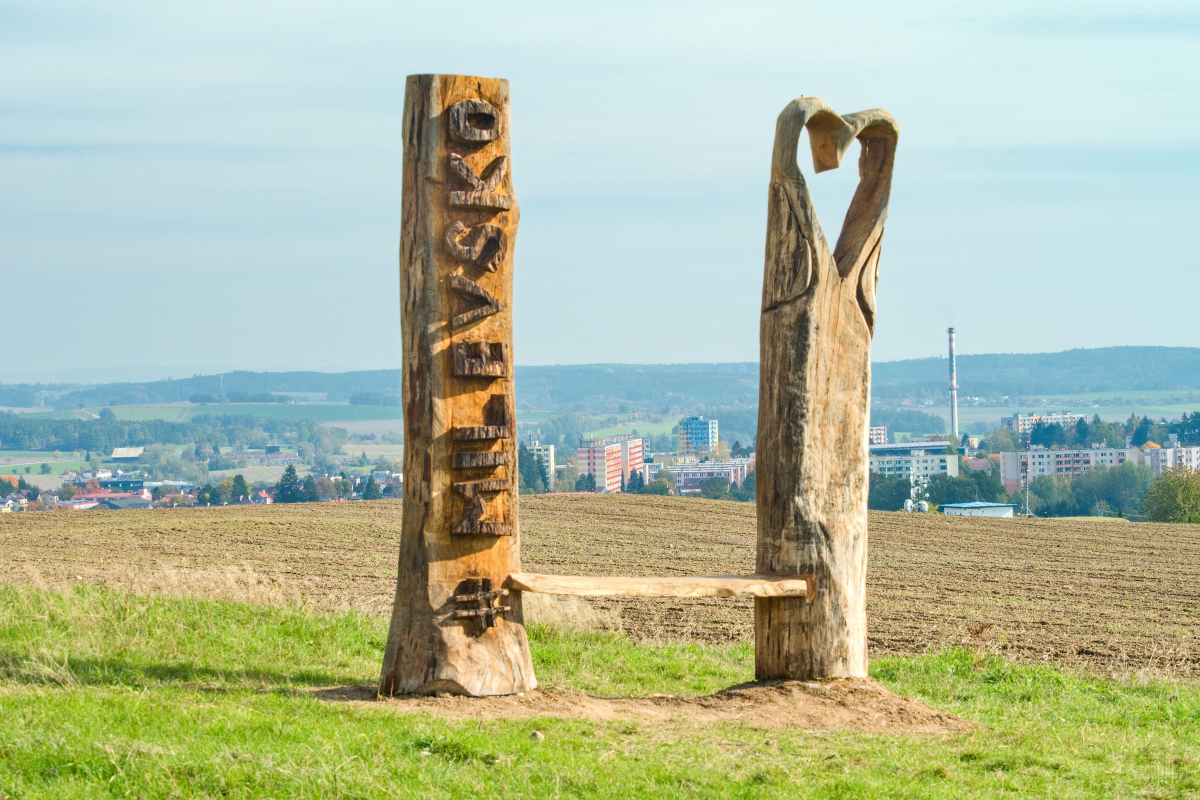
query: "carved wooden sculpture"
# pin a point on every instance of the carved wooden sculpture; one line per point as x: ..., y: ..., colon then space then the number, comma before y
x: 454, y: 628
x: 818, y: 317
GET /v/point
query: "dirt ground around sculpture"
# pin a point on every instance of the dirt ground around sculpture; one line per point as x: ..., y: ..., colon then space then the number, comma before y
x: 1111, y: 596
x: 838, y: 705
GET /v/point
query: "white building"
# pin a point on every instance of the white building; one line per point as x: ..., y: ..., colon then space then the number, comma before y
x: 545, y: 454
x: 878, y: 434
x: 915, y: 462
x: 977, y: 509
x: 1158, y: 459
x: 690, y: 476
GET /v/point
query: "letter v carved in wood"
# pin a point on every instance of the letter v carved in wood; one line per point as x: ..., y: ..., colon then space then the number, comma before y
x: 468, y: 287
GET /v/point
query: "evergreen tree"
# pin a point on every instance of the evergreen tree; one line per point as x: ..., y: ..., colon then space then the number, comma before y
x: 529, y: 471
x: 309, y: 490
x: 240, y: 488
x: 22, y: 486
x: 636, y: 482
x: 371, y: 491
x: 288, y: 489
x: 585, y: 483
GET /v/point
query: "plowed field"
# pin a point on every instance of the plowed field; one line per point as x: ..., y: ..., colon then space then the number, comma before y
x: 1107, y: 594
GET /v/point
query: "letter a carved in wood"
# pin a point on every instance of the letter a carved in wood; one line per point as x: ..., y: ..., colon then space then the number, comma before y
x: 818, y: 317
x: 460, y: 527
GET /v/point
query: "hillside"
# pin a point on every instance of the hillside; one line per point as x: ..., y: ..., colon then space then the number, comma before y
x: 605, y: 387
x: 1107, y: 369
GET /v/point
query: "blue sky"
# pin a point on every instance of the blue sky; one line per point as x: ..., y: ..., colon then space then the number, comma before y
x: 218, y: 186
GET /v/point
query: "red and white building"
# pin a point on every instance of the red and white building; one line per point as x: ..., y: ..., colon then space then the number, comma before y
x: 611, y: 461
x: 879, y: 434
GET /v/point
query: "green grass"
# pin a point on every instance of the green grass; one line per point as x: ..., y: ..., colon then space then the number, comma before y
x: 143, y: 413
x: 331, y: 414
x: 107, y: 694
x: 643, y: 427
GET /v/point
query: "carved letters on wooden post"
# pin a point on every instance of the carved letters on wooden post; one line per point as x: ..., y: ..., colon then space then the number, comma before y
x: 818, y: 317
x: 450, y: 631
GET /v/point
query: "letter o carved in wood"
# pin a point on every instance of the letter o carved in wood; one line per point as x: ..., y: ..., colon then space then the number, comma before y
x: 474, y: 121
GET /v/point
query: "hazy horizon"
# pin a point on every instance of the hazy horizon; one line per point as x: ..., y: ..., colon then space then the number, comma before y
x: 135, y: 374
x: 221, y: 184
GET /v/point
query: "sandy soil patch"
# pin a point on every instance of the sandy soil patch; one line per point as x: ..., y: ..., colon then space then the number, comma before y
x: 853, y: 705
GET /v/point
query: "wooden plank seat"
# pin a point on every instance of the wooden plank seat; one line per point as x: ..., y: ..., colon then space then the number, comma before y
x: 703, y: 586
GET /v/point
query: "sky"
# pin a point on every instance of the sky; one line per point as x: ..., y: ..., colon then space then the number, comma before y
x: 204, y: 187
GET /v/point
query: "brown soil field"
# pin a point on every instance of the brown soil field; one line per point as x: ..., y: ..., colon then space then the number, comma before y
x: 1108, y: 595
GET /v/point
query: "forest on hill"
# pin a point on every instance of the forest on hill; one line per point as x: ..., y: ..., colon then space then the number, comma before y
x: 658, y: 387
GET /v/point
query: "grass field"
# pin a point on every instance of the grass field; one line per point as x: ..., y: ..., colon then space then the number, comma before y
x: 325, y: 413
x: 15, y: 462
x: 373, y: 450
x: 108, y: 693
x: 224, y: 652
x: 643, y: 427
x: 991, y: 416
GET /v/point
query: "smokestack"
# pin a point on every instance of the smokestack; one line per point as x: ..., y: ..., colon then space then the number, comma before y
x: 953, y: 391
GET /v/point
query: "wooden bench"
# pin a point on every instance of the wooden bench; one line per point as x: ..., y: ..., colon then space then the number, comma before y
x: 703, y: 586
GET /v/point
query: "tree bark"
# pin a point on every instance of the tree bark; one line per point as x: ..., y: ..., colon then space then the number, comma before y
x: 450, y: 630
x: 818, y: 317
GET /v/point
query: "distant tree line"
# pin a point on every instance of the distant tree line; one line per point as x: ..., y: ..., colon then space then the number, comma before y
x: 374, y: 399
x: 18, y: 396
x: 1188, y: 428
x: 1101, y: 490
x: 1082, y: 434
x: 908, y: 421
x: 889, y: 494
x: 25, y: 432
x: 312, y: 489
x: 1107, y: 369
x: 1118, y: 489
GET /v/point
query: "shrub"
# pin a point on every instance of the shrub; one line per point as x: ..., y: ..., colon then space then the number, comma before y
x: 1174, y: 496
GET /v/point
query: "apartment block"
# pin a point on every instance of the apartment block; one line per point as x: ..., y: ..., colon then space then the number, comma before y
x: 612, y: 460
x: 690, y: 476
x: 914, y: 462
x: 697, y: 435
x: 1172, y: 458
x: 602, y: 460
x: 879, y: 435
x: 1017, y: 468
x: 633, y: 454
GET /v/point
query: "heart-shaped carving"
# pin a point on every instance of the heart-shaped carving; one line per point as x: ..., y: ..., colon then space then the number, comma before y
x: 798, y: 255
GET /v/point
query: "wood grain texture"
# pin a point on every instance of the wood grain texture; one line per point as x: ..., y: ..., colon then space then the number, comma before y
x: 818, y: 317
x: 702, y: 586
x: 458, y: 224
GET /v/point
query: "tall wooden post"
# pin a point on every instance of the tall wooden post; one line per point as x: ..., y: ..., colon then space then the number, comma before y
x: 818, y: 317
x: 453, y: 627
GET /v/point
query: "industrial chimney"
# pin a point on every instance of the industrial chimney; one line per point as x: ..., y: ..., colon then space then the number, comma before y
x: 953, y: 391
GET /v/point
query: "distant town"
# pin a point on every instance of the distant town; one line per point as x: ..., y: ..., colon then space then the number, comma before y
x: 242, y: 438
